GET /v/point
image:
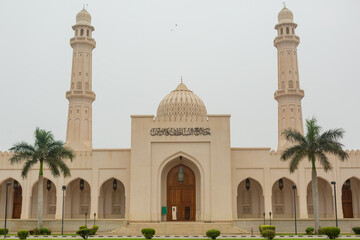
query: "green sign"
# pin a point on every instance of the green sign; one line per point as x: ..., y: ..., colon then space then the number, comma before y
x: 164, y: 210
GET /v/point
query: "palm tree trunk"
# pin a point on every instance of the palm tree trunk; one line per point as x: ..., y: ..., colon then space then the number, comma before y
x: 40, y: 196
x: 315, y: 196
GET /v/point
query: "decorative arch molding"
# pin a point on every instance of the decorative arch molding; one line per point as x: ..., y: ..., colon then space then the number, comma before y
x: 77, y: 202
x: 283, y: 199
x: 110, y: 178
x: 166, y: 165
x: 112, y: 203
x: 249, y: 201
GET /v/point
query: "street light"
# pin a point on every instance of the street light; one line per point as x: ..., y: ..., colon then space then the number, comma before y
x: 86, y: 219
x: 270, y: 217
x: 62, y: 216
x: 6, y: 198
x: 336, y: 219
x: 264, y: 217
x: 294, y: 188
x: 94, y: 218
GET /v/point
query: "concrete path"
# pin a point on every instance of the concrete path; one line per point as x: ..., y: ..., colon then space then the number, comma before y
x: 190, y: 237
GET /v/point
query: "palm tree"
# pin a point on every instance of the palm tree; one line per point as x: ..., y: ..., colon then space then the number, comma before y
x: 314, y: 146
x: 45, y: 150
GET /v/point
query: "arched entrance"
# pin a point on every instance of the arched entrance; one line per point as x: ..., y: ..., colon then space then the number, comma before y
x: 49, y: 200
x: 346, y: 198
x: 14, y: 199
x: 325, y: 199
x: 181, y: 196
x: 77, y: 199
x: 112, y: 199
x: 250, y: 199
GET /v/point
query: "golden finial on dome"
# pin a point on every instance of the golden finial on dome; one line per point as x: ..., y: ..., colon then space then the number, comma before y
x: 181, y: 80
x: 284, y: 4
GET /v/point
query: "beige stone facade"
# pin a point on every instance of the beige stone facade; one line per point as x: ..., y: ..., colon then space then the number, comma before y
x: 227, y: 183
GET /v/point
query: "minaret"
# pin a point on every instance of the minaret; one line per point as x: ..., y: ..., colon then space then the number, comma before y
x: 81, y: 96
x: 289, y: 94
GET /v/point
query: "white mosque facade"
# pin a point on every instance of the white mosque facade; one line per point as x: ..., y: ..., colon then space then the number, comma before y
x: 181, y: 165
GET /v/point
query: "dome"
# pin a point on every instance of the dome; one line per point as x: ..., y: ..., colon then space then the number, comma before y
x: 181, y: 105
x: 83, y: 17
x: 285, y: 16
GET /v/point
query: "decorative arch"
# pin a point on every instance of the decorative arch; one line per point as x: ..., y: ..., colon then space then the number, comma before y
x: 77, y: 200
x: 250, y: 199
x: 195, y: 166
x: 112, y: 199
x: 325, y: 199
x: 350, y: 191
x: 283, y: 198
x: 14, y: 204
x: 49, y: 200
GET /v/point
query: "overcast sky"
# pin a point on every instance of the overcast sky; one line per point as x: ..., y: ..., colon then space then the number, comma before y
x: 223, y: 49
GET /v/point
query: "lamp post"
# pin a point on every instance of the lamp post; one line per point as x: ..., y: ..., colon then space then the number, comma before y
x: 294, y: 188
x: 6, y: 197
x: 63, y: 206
x: 86, y: 219
x: 264, y: 217
x: 270, y: 217
x: 94, y: 218
x: 336, y: 219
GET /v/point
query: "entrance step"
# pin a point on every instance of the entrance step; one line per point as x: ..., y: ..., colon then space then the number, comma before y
x: 179, y: 228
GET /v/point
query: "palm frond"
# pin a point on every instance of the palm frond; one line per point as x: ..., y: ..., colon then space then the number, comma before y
x: 312, y: 129
x: 293, y: 136
x: 294, y: 163
x: 324, y: 161
x: 27, y: 166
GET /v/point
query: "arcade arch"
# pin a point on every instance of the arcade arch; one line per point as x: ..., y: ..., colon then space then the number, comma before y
x: 350, y: 200
x: 14, y: 203
x: 283, y: 198
x: 49, y: 200
x: 112, y: 199
x: 250, y: 199
x: 77, y: 200
x: 325, y: 199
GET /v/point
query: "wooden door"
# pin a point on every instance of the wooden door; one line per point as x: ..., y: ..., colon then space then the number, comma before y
x: 182, y: 196
x: 347, y: 202
x: 17, y: 202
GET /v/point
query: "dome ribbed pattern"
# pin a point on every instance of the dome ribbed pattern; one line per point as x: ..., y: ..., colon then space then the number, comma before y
x: 83, y: 17
x: 181, y: 105
x: 285, y: 16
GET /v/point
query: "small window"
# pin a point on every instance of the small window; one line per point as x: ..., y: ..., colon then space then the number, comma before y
x: 78, y: 85
x: 76, y: 32
x: 81, y: 32
x: 282, y: 85
x: 87, y: 32
x: 287, y: 30
x: 291, y: 84
x: 72, y: 85
x: 293, y: 31
x: 79, y: 73
x: 281, y: 31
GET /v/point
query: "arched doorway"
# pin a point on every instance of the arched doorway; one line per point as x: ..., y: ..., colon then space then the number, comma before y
x: 250, y: 199
x: 49, y: 200
x: 14, y: 199
x: 181, y: 196
x: 112, y: 199
x: 325, y: 199
x: 350, y: 200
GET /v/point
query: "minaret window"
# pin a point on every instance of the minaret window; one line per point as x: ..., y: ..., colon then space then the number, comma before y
x: 291, y: 85
x: 72, y: 85
x: 78, y: 85
x: 293, y: 31
x: 76, y: 32
x: 282, y: 85
x: 287, y: 30
x: 81, y: 32
x: 87, y: 32
x: 281, y: 31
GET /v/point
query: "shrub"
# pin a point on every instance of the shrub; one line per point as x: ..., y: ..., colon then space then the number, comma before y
x: 331, y: 232
x: 356, y: 230
x: 82, y: 227
x: 212, y: 233
x: 309, y: 230
x: 2, y: 231
x: 84, y: 232
x: 31, y: 232
x: 320, y: 232
x: 148, y: 232
x: 269, y: 234
x: 22, y: 234
x: 94, y: 229
x: 266, y: 227
x: 45, y: 231
x: 37, y: 231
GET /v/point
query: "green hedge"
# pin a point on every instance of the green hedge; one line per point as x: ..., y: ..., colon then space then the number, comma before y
x: 309, y: 230
x: 268, y: 234
x: 356, y: 230
x: 84, y: 232
x: 22, y: 234
x: 266, y: 227
x: 148, y: 232
x: 2, y: 231
x: 331, y: 232
x: 212, y: 233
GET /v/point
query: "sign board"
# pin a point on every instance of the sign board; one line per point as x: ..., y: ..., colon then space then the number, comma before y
x: 164, y: 210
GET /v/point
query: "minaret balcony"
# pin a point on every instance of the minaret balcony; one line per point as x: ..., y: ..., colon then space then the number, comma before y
x: 80, y: 93
x: 80, y: 40
x: 289, y: 92
x: 286, y: 38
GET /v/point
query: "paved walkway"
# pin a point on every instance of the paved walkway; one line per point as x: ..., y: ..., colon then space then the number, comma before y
x: 189, y: 237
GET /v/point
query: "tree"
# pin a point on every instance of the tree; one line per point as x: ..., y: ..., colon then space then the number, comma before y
x: 315, y: 146
x: 47, y: 151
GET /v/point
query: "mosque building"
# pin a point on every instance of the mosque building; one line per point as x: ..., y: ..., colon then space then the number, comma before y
x: 181, y: 165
